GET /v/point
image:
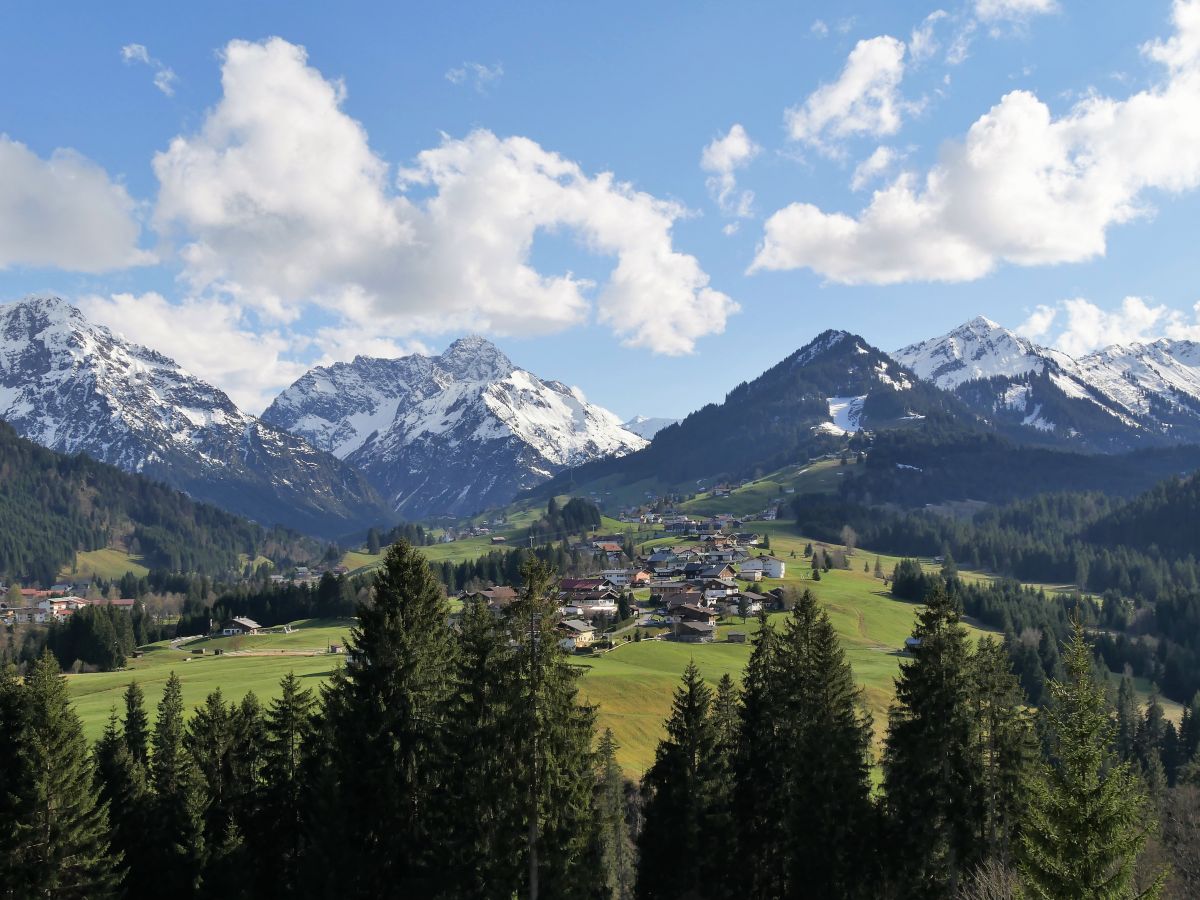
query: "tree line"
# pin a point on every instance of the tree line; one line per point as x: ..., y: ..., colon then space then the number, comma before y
x: 459, y: 762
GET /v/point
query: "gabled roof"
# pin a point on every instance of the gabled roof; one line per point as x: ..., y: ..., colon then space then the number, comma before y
x: 576, y: 625
x: 246, y: 623
x: 698, y: 627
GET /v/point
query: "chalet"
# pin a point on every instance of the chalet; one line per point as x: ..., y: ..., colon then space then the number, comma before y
x: 769, y: 566
x: 239, y: 625
x: 617, y: 577
x: 687, y: 612
x: 719, y: 571
x: 691, y: 597
x: 499, y: 539
x: 695, y: 632
x: 577, y: 634
x: 584, y: 585
x: 610, y: 547
x: 496, y: 598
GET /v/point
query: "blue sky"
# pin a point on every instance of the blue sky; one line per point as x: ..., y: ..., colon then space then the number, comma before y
x: 253, y: 188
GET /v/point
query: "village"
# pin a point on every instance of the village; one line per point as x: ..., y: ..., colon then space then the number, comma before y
x: 676, y: 592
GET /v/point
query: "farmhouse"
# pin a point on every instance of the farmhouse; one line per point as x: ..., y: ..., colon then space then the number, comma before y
x: 577, y: 634
x: 769, y: 566
x: 239, y: 625
x: 695, y: 632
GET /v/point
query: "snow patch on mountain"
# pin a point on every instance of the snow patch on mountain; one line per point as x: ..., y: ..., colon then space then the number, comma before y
x: 845, y: 413
x: 647, y: 426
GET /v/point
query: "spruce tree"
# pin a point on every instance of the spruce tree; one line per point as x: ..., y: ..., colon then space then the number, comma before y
x: 14, y: 783
x: 552, y: 739
x: 174, y: 858
x: 684, y: 795
x: 826, y: 739
x: 1007, y: 749
x: 485, y: 801
x: 121, y: 781
x: 280, y: 828
x: 1088, y: 818
x: 58, y: 845
x: 137, y: 724
x: 931, y: 770
x: 616, y: 851
x: 757, y: 805
x: 386, y: 714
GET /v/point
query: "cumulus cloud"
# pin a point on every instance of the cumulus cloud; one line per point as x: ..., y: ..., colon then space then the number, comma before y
x: 279, y: 201
x: 164, y: 76
x: 1084, y: 326
x: 1023, y: 187
x: 873, y: 167
x: 722, y: 158
x: 476, y: 74
x: 64, y: 212
x: 864, y: 100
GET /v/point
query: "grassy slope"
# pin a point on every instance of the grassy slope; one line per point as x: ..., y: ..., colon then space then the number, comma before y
x: 108, y: 564
x: 95, y: 694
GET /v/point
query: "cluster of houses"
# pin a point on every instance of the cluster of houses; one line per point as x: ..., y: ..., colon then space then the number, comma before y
x: 38, y: 607
x: 691, y: 587
x: 307, y: 574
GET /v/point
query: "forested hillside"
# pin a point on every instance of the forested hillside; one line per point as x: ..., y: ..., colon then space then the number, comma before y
x: 53, y: 505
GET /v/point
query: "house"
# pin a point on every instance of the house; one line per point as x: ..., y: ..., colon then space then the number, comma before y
x: 577, y: 634
x: 585, y: 585
x: 239, y: 625
x: 718, y: 571
x: 754, y: 574
x: 695, y: 632
x: 499, y: 539
x: 769, y: 566
x: 688, y: 612
x: 496, y: 598
x: 609, y: 547
x: 736, y: 637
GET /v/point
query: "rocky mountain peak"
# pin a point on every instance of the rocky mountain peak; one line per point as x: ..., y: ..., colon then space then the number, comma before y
x: 475, y: 358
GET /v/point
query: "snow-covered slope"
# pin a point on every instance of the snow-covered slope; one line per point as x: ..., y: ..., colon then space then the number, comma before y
x: 1113, y: 399
x: 647, y: 426
x: 448, y: 434
x: 76, y: 387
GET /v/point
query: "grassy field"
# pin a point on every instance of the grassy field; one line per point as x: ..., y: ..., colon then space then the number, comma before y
x: 822, y: 476
x: 108, y: 564
x: 97, y: 693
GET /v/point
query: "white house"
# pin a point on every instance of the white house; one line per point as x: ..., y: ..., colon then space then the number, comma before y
x: 769, y: 566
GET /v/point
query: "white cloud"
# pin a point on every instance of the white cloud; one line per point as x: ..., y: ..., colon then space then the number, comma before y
x: 819, y: 28
x: 64, y: 212
x: 722, y: 158
x: 864, y: 100
x: 1023, y: 187
x: 872, y: 167
x: 924, y: 43
x: 1086, y: 327
x: 1012, y: 10
x: 280, y: 202
x: 211, y: 338
x: 476, y: 74
x: 164, y: 76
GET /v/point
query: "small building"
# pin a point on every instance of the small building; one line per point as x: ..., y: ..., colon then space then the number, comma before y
x: 736, y: 637
x: 577, y: 634
x: 695, y: 632
x: 239, y: 625
x: 499, y: 539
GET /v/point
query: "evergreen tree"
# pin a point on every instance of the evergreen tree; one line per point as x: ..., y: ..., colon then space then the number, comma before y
x: 1126, y: 740
x: 121, y: 781
x: 174, y: 858
x: 685, y: 794
x: 386, y: 714
x: 14, y: 717
x: 57, y: 843
x: 136, y: 725
x: 486, y: 803
x: 1006, y: 746
x: 826, y: 739
x: 931, y: 770
x: 288, y: 728
x: 1088, y: 819
x: 616, y: 851
x: 758, y: 807
x: 726, y: 716
x: 552, y: 741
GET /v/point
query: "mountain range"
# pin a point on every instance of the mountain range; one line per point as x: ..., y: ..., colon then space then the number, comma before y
x: 449, y: 434
x: 363, y: 442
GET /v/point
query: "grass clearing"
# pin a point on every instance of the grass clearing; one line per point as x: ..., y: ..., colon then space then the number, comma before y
x: 109, y: 563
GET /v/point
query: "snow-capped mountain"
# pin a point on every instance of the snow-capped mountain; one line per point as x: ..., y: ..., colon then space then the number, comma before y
x: 76, y: 387
x: 646, y: 426
x: 448, y: 434
x: 1113, y: 399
